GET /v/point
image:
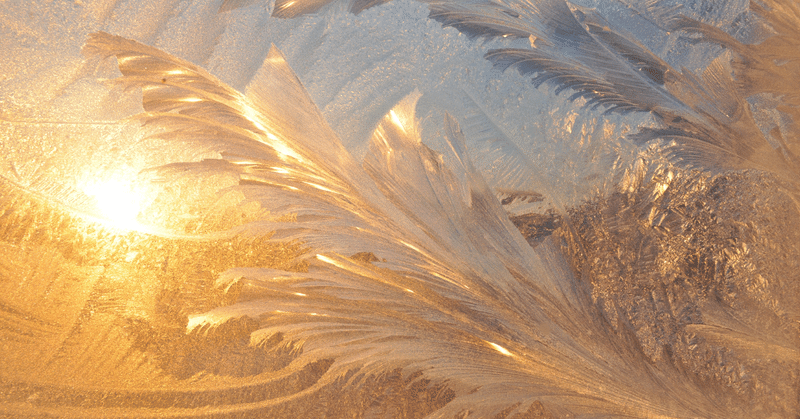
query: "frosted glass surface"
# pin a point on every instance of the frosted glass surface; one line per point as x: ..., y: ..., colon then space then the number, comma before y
x: 399, y: 209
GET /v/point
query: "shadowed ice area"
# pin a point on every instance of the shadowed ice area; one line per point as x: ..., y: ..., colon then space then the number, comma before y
x: 399, y: 209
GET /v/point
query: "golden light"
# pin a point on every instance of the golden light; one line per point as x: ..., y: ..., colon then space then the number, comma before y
x: 396, y: 120
x: 115, y: 201
x: 282, y: 149
x: 500, y: 349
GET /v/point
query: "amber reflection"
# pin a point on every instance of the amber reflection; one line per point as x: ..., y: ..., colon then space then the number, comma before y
x: 114, y: 334
x: 118, y: 300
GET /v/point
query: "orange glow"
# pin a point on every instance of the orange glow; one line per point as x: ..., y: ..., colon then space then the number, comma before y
x: 500, y: 349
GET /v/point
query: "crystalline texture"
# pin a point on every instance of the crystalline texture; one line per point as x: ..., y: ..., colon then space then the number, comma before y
x: 438, y: 239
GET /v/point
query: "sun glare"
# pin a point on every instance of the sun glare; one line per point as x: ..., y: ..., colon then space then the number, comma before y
x: 115, y: 201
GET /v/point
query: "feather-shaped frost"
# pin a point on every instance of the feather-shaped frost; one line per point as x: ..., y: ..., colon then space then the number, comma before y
x: 294, y: 8
x: 407, y: 272
x: 574, y: 48
x: 285, y: 279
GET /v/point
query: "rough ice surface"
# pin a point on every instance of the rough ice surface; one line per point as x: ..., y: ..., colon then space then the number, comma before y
x: 352, y: 208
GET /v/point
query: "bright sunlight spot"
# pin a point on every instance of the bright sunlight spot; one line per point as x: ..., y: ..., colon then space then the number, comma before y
x: 500, y: 349
x: 115, y: 201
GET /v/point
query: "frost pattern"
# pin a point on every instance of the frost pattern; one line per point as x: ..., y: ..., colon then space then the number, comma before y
x: 436, y: 239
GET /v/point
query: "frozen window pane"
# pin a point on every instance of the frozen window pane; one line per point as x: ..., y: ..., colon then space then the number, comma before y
x: 399, y: 209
